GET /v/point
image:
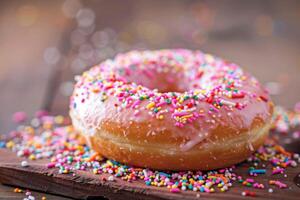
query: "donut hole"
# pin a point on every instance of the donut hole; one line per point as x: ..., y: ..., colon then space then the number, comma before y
x: 163, y: 81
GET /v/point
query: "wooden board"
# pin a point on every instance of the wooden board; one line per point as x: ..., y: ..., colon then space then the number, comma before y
x: 270, y: 58
x: 86, y: 185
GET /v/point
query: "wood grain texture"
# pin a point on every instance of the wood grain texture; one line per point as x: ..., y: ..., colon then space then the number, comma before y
x: 86, y: 185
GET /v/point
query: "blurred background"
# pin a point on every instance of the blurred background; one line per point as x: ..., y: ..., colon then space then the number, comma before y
x: 44, y: 44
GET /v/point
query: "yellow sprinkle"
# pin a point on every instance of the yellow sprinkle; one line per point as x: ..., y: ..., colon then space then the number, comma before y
x: 10, y: 144
x: 187, y: 116
x: 29, y: 130
x: 160, y: 117
x: 150, y: 105
x: 209, y: 58
x: 32, y: 157
x: 47, y: 125
x: 109, y: 162
x: 59, y: 119
x: 95, y: 171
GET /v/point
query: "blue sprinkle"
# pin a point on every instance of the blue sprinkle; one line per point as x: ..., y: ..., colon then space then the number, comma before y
x: 202, y: 189
x: 257, y: 171
x: 164, y: 174
x: 2, y: 144
x: 115, y: 162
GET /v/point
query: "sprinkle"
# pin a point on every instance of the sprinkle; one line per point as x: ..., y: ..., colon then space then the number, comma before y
x: 51, y: 165
x: 2, y: 144
x: 264, y: 98
x: 110, y: 79
x: 111, y: 178
x: 174, y: 190
x: 238, y: 96
x: 257, y: 171
x: 30, y: 197
x: 270, y: 190
x: 277, y: 171
x: 47, y: 141
x: 24, y: 163
x: 278, y: 184
x: 150, y: 105
x: 18, y: 190
x: 248, y: 193
x: 19, y: 117
x: 10, y: 144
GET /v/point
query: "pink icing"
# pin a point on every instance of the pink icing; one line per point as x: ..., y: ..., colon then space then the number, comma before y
x: 208, y: 92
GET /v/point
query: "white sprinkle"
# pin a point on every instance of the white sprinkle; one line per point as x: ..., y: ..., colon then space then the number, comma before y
x: 228, y: 103
x: 293, y: 164
x: 31, y: 197
x: 270, y: 190
x: 250, y: 146
x: 111, y: 178
x: 24, y: 163
x: 20, y: 153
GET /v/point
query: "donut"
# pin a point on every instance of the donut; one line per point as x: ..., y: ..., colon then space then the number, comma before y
x: 171, y: 110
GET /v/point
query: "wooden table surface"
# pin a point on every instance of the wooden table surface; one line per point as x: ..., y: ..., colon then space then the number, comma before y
x: 44, y: 44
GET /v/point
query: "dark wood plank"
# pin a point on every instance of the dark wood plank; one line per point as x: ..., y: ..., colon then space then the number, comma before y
x: 86, y: 185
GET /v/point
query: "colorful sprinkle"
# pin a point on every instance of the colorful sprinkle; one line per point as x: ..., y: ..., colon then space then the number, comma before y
x: 51, y: 137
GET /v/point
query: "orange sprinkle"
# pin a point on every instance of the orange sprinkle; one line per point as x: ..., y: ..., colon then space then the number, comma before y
x: 281, y: 150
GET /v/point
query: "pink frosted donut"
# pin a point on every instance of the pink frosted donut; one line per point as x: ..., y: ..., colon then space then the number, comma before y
x: 171, y: 109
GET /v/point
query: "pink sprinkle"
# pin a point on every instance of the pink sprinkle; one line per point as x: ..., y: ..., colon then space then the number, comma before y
x: 288, y: 162
x: 278, y: 184
x: 206, y: 190
x: 174, y: 190
x: 19, y: 117
x: 50, y: 165
x: 277, y: 171
x: 296, y: 134
x: 250, y: 180
x: 136, y: 103
x: 161, y: 104
x: 297, y: 107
